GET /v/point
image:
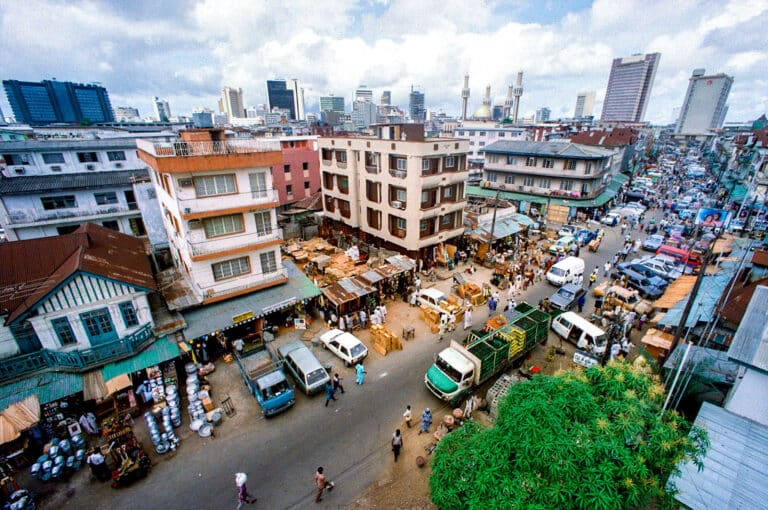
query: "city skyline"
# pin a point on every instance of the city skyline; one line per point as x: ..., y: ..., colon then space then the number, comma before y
x: 186, y: 51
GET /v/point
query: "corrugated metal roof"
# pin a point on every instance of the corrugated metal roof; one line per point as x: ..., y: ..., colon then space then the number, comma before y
x: 543, y: 149
x: 750, y: 343
x: 703, y: 308
x: 347, y: 289
x: 734, y: 474
x: 48, y: 386
x: 93, y: 180
x: 160, y: 350
x: 711, y: 363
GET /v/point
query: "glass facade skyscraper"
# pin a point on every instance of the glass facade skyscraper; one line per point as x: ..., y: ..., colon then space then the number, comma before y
x: 285, y: 95
x: 629, y: 87
x: 48, y: 102
x: 416, y: 109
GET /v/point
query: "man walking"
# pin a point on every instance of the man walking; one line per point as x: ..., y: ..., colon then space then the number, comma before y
x: 580, y: 302
x: 337, y: 383
x: 407, y: 416
x: 606, y: 268
x: 397, y: 443
x: 592, y: 278
x: 426, y: 420
x: 360, y: 371
x: 322, y: 483
x: 243, y: 496
x: 329, y: 391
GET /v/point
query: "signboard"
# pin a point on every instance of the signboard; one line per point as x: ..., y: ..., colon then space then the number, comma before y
x: 585, y: 359
x: 242, y: 317
x: 707, y: 217
x: 299, y: 324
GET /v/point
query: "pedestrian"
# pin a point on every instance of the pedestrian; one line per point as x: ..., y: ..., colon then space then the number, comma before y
x: 417, y: 284
x: 397, y: 443
x: 383, y: 310
x: 468, y: 318
x: 337, y: 383
x: 615, y: 349
x: 492, y: 305
x: 360, y: 371
x: 643, y: 320
x: 243, y: 496
x: 426, y: 420
x: 363, y: 321
x: 441, y: 327
x: 407, y: 416
x: 413, y: 298
x: 341, y: 322
x: 329, y: 393
x: 592, y: 279
x: 495, y: 295
x: 510, y: 291
x: 607, y: 267
x: 322, y: 483
x: 580, y: 280
x: 580, y: 302
x: 98, y: 466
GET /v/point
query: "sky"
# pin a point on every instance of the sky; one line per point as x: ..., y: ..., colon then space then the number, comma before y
x: 186, y: 50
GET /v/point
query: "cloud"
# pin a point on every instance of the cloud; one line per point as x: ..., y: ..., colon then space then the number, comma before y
x: 187, y: 50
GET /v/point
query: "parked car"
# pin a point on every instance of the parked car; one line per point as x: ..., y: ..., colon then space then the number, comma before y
x: 660, y: 267
x: 611, y: 219
x: 563, y: 245
x: 651, y: 288
x: 636, y: 195
x: 344, y: 345
x: 629, y: 299
x: 567, y: 230
x: 653, y: 243
x: 566, y: 297
x: 584, y: 236
x: 635, y: 205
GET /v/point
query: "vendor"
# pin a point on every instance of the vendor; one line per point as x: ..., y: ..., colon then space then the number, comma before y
x: 98, y: 465
x: 145, y: 390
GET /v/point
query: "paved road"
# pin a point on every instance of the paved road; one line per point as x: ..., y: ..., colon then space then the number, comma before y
x: 350, y: 437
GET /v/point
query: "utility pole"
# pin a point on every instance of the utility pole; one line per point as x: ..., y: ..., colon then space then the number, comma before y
x: 493, y: 221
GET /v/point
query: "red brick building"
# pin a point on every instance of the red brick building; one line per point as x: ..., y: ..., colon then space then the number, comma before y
x: 299, y: 174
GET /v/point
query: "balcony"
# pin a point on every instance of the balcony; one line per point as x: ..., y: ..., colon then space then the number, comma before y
x: 191, y: 149
x: 372, y: 169
x: 213, y: 205
x: 400, y: 174
x: 205, y: 249
x: 75, y: 361
x: 33, y: 217
x: 269, y: 280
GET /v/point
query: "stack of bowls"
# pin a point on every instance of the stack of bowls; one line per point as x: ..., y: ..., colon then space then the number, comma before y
x: 171, y: 438
x: 78, y: 441
x: 45, y: 470
x: 196, y: 411
x: 154, y: 431
x: 174, y: 404
x: 79, y: 458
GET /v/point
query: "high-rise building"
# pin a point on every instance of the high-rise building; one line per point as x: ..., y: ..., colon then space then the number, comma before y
x: 386, y: 98
x: 542, y: 114
x: 363, y: 114
x: 231, y: 103
x: 331, y: 103
x: 629, y: 87
x: 286, y: 95
x: 416, y: 109
x: 51, y: 101
x: 363, y: 93
x: 162, y: 109
x: 585, y: 103
x: 127, y: 114
x: 704, y: 106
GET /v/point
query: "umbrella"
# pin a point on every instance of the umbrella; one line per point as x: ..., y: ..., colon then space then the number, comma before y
x: 18, y: 418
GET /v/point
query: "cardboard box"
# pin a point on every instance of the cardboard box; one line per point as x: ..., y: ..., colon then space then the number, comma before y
x: 208, y: 404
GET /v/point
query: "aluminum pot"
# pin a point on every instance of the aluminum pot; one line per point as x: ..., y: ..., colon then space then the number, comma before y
x: 35, y: 469
x: 205, y: 430
x: 65, y: 446
x: 196, y: 424
x: 59, y: 460
x: 53, y: 452
x: 47, y: 465
x: 190, y: 368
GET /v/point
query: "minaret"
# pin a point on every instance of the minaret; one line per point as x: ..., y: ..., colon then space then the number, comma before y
x: 465, y: 97
x: 508, y: 103
x: 518, y: 92
x: 487, y: 98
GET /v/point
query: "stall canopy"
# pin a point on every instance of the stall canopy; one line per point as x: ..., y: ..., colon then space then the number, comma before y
x: 347, y: 289
x: 18, y: 418
x: 161, y: 350
x: 94, y: 387
x: 703, y: 308
x: 48, y: 386
x: 233, y: 312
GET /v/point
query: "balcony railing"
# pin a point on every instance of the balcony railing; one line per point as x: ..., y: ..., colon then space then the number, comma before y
x: 32, y: 216
x: 205, y: 247
x: 400, y: 174
x: 220, y: 202
x: 75, y: 361
x: 192, y: 149
x: 277, y: 276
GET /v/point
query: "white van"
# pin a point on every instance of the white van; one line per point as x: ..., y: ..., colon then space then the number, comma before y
x: 567, y: 270
x: 578, y: 330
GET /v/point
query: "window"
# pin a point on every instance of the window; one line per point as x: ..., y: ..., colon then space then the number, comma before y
x: 570, y: 164
x: 215, y: 185
x: 374, y: 218
x: 471, y: 142
x: 263, y: 223
x: 109, y: 197
x: 511, y: 160
x: 61, y: 202
x: 461, y: 133
x: 268, y: 262
x: 589, y: 168
x: 306, y: 184
x: 450, y: 162
x: 289, y: 189
x: 492, y: 176
x: 448, y: 192
x: 53, y: 158
x: 585, y: 188
x: 230, y: 268
x: 401, y: 164
x: 400, y: 223
x: 372, y: 191
x: 400, y: 194
x: 287, y: 169
x: 66, y: 229
x: 548, y: 163
x: 446, y: 221
x: 424, y: 225
x: 305, y: 166
x: 501, y: 134
x: 530, y: 162
x: 482, y: 144
x: 566, y: 185
x: 116, y: 155
x: 425, y: 164
x: 528, y: 181
x: 98, y: 325
x: 327, y: 180
x: 16, y: 159
x: 509, y: 179
x: 87, y: 157
x: 64, y: 331
x: 223, y: 225
x: 545, y: 183
x: 111, y: 225
x: 127, y: 310
x: 481, y: 133
x: 341, y: 156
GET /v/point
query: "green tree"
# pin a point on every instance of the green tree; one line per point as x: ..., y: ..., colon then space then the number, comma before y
x: 588, y: 439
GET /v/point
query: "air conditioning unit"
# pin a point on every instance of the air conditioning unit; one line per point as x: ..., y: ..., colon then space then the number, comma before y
x: 187, y: 210
x: 56, y: 168
x: 185, y: 183
x: 118, y: 165
x: 195, y: 224
x: 20, y: 170
x: 502, y: 186
x: 397, y: 204
x: 89, y: 166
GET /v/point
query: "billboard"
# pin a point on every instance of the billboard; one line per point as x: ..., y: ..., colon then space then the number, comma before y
x: 707, y: 217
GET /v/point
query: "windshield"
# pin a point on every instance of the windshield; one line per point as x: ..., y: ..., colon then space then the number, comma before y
x: 316, y: 376
x: 357, y: 350
x: 565, y: 293
x: 600, y: 341
x: 448, y: 370
x: 557, y: 271
x: 275, y: 390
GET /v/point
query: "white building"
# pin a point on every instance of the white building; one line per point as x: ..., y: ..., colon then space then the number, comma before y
x: 127, y: 114
x: 231, y: 103
x: 585, y: 104
x: 481, y: 134
x: 704, y: 106
x: 162, y: 109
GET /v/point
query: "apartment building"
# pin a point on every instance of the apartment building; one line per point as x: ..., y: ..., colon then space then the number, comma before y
x: 481, y: 134
x: 219, y: 211
x: 51, y: 187
x: 398, y: 187
x: 298, y: 176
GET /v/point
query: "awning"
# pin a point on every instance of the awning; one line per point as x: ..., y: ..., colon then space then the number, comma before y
x: 118, y: 383
x: 18, y: 418
x: 94, y: 387
x: 48, y: 386
x: 239, y: 310
x: 160, y: 350
x: 703, y: 308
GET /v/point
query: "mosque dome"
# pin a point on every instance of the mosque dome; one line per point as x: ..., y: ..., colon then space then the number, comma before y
x: 483, y: 112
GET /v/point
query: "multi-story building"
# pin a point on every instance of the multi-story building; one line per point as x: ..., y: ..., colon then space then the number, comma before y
x: 219, y: 211
x: 386, y: 98
x: 629, y: 87
x: 286, y: 95
x: 542, y: 114
x: 363, y: 93
x: 203, y: 119
x: 704, y: 105
x: 298, y: 176
x: 363, y: 114
x: 231, y: 103
x: 51, y: 187
x: 162, y: 109
x: 398, y: 188
x: 481, y: 134
x: 53, y: 101
x: 127, y: 114
x: 622, y: 140
x: 585, y: 103
x: 416, y: 110
x: 331, y: 103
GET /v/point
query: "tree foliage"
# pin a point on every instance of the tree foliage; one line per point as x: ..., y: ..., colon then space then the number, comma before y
x: 580, y: 439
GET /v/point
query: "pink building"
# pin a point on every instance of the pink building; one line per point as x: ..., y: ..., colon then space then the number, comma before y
x: 299, y: 174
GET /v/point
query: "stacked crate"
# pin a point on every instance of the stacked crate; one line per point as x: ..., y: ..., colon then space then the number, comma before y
x: 384, y: 340
x: 497, y: 392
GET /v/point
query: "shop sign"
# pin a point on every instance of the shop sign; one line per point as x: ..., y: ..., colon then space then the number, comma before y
x: 242, y: 317
x: 299, y: 323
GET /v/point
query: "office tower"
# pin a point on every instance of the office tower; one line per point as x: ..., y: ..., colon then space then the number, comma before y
x: 127, y: 114
x: 518, y: 93
x: 416, y: 105
x: 542, y: 114
x: 363, y: 93
x: 2, y: 117
x: 585, y: 103
x: 331, y: 103
x: 51, y: 101
x: 231, y: 102
x: 704, y: 105
x: 286, y: 95
x: 162, y: 109
x: 363, y: 114
x: 386, y: 98
x: 629, y: 87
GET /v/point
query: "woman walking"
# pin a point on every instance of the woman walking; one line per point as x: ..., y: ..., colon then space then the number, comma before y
x: 243, y: 496
x: 397, y: 443
x: 426, y: 420
x: 360, y: 371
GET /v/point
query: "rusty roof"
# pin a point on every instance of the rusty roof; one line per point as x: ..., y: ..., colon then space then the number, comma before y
x: 736, y: 306
x: 617, y: 137
x: 347, y: 289
x: 760, y: 258
x: 33, y: 268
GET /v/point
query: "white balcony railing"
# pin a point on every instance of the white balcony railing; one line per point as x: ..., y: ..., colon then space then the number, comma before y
x: 208, y: 246
x: 32, y: 216
x: 213, y: 292
x: 192, y: 149
x: 222, y: 202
